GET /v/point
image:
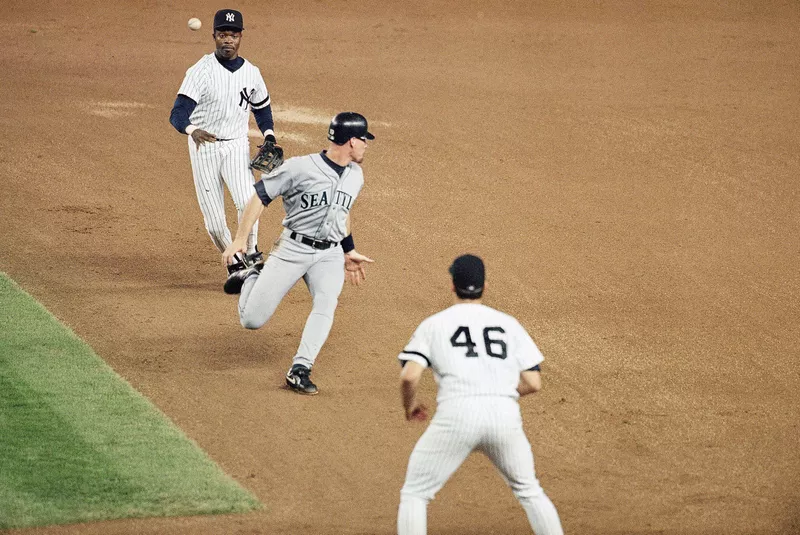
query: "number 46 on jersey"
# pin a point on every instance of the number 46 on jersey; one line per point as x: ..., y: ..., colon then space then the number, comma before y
x: 493, y: 343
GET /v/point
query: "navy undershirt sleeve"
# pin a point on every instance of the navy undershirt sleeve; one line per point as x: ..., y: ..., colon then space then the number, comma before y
x: 264, y: 118
x: 181, y: 111
x: 262, y: 193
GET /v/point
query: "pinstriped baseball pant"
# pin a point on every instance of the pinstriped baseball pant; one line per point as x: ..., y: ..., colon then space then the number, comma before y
x: 491, y: 425
x: 217, y: 164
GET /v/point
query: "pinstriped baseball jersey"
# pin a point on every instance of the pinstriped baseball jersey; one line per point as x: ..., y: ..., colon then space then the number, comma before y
x: 473, y: 350
x: 476, y: 354
x: 315, y: 198
x: 224, y: 98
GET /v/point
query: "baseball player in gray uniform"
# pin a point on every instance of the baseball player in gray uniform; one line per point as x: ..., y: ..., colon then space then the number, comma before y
x: 213, y: 107
x: 483, y: 360
x: 318, y: 192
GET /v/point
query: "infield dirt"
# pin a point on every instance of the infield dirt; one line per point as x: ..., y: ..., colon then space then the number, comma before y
x: 627, y: 169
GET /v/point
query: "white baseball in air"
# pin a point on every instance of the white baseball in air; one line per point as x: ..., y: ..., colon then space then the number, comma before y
x: 195, y: 24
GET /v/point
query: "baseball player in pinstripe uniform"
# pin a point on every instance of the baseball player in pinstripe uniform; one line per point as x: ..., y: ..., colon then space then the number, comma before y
x: 318, y: 192
x: 483, y: 360
x: 213, y: 107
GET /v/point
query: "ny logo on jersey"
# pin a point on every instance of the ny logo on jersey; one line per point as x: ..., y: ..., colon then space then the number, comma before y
x: 245, y: 96
x: 230, y: 17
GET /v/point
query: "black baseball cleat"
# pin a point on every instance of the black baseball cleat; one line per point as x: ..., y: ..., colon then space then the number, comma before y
x: 298, y: 380
x: 239, y: 271
x: 236, y: 279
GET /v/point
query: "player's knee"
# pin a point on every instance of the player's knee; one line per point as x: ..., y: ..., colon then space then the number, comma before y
x: 527, y: 491
x: 216, y: 231
x: 249, y: 322
x: 252, y: 319
x: 415, y: 496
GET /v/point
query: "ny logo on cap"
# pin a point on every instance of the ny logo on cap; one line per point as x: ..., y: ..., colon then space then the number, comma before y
x: 230, y: 17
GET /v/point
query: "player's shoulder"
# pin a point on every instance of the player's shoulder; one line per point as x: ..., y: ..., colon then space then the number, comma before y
x: 503, y: 317
x: 443, y: 316
x: 202, y: 64
x: 357, y: 171
x: 302, y: 160
x: 288, y: 167
x: 250, y: 65
x: 427, y: 326
x: 484, y: 312
x: 206, y: 60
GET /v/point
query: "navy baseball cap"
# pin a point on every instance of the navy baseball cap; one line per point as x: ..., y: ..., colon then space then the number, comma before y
x: 468, y: 275
x: 228, y: 19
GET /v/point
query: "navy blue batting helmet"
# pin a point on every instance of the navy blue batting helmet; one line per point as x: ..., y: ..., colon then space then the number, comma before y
x: 347, y: 125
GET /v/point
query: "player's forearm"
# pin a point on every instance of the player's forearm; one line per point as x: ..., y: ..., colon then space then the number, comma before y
x: 251, y: 214
x: 408, y: 390
x: 264, y: 119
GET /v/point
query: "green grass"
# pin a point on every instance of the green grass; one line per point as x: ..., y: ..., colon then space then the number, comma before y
x: 78, y: 443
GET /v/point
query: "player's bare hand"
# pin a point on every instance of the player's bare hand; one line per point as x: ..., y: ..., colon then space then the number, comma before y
x: 201, y: 136
x: 417, y: 413
x: 236, y: 246
x: 355, y: 267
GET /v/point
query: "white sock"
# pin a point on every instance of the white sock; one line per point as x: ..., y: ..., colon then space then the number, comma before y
x: 412, y: 516
x: 542, y: 515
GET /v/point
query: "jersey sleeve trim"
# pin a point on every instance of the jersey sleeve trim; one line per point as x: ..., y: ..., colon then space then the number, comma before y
x: 536, y: 368
x: 257, y: 105
x: 416, y: 356
x: 261, y: 191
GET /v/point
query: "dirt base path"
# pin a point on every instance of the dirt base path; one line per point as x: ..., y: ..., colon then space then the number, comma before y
x: 629, y: 175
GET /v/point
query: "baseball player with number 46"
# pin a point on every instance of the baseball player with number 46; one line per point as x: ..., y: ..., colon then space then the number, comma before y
x: 483, y: 360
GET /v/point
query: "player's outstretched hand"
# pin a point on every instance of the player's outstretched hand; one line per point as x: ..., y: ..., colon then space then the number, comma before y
x: 418, y: 413
x: 236, y: 246
x: 355, y: 267
x: 201, y: 136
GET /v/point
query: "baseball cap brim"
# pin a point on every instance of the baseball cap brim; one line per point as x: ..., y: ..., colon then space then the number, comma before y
x: 369, y: 136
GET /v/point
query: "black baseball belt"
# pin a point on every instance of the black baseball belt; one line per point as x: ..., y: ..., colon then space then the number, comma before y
x: 316, y: 244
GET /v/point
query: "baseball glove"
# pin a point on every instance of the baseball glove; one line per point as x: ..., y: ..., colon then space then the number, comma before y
x: 269, y: 157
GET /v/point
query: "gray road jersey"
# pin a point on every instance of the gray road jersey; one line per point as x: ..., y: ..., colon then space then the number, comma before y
x: 315, y: 198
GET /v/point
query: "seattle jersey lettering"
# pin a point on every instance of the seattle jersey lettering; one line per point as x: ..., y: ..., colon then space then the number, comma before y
x: 314, y: 200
